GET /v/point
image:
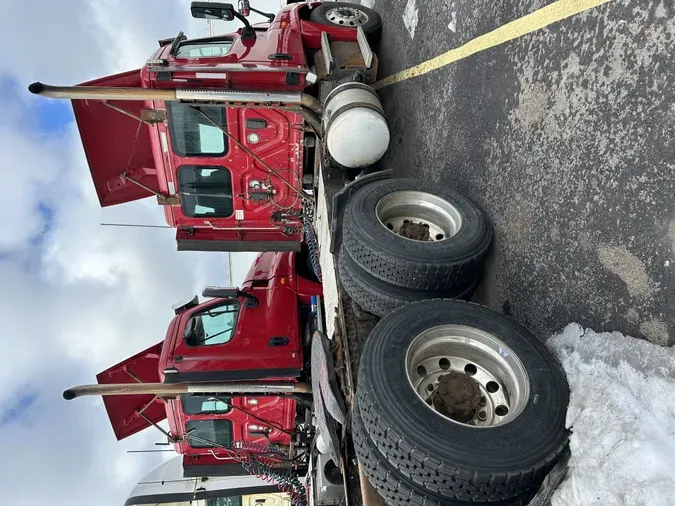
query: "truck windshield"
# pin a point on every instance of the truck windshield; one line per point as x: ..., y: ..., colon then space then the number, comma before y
x: 204, y: 49
x: 194, y: 135
x: 214, y: 326
x: 198, y: 404
x: 205, y: 191
x: 209, y: 433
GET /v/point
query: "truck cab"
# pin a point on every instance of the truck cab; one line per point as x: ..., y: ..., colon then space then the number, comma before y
x: 250, y: 333
x: 228, y: 173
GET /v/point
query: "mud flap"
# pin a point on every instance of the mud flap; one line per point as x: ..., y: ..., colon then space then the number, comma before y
x: 329, y: 408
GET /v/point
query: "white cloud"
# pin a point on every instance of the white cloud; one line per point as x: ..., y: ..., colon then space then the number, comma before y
x: 80, y: 297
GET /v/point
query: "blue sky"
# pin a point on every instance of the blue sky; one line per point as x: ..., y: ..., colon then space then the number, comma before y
x: 52, y: 115
x: 76, y: 297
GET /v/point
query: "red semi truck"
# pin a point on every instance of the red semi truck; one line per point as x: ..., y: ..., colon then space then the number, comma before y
x: 236, y: 136
x: 222, y: 130
x: 255, y: 333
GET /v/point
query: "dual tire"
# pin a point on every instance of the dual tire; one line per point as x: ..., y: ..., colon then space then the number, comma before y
x: 413, y: 452
x: 406, y: 240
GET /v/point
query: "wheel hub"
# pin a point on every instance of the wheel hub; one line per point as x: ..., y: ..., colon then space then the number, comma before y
x: 347, y: 16
x: 416, y: 231
x: 418, y: 216
x: 467, y: 375
x: 458, y: 397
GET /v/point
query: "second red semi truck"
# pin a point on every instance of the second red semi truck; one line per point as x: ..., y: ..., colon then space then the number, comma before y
x: 256, y: 333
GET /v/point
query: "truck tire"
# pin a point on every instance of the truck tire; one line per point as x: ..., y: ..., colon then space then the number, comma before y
x: 454, y: 234
x: 396, y: 489
x: 349, y: 15
x: 429, y: 352
x: 381, y: 298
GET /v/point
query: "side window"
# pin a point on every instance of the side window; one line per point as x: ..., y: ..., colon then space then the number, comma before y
x: 205, y: 191
x: 204, y: 49
x: 192, y: 134
x: 209, y: 433
x: 215, y: 325
x: 196, y: 404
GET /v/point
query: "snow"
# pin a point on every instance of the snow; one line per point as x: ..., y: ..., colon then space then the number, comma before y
x: 326, y: 260
x: 410, y: 17
x: 622, y: 418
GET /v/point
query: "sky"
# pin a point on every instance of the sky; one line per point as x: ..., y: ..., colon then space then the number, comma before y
x: 76, y: 297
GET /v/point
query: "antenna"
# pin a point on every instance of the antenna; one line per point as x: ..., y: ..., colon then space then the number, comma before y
x: 133, y: 225
x: 211, y: 28
x: 151, y: 451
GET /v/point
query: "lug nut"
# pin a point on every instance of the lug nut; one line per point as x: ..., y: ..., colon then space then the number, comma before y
x: 482, y: 416
x: 483, y: 400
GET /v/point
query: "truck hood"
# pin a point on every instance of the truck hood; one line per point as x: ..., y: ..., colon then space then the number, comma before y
x: 123, y: 409
x: 110, y: 143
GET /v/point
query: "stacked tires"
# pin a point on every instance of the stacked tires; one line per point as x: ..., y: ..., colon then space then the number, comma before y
x: 405, y: 240
x: 455, y: 404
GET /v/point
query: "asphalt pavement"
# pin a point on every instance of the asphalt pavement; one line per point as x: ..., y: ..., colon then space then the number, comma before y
x: 565, y: 136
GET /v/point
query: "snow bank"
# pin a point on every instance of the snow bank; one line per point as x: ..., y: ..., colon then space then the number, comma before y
x: 622, y: 418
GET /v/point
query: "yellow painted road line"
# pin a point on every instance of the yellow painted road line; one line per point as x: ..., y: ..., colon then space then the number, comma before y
x: 557, y: 11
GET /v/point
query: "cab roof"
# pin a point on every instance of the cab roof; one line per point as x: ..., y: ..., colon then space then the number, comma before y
x: 130, y: 414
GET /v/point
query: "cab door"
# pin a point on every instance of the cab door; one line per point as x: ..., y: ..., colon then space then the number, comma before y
x: 231, y: 340
x: 271, y: 179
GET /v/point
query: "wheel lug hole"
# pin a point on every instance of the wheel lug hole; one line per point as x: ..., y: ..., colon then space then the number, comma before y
x: 501, y: 410
x: 439, y: 237
x: 444, y: 364
x: 470, y: 369
x: 492, y: 386
x: 390, y: 226
x: 421, y: 370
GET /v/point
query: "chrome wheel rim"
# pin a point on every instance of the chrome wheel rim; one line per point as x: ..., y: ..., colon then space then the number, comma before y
x: 441, y: 361
x: 418, y: 216
x: 347, y: 16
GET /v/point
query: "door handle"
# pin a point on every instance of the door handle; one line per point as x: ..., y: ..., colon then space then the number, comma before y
x: 279, y: 341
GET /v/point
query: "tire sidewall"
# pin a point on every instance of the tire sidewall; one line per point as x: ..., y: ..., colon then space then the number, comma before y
x: 532, y: 436
x: 473, y: 235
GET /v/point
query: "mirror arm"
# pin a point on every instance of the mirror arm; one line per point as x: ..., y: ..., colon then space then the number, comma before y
x: 248, y: 32
x: 251, y: 300
x: 266, y: 14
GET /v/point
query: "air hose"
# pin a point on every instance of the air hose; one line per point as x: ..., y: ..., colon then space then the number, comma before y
x: 263, y: 460
x: 313, y: 247
x: 286, y: 479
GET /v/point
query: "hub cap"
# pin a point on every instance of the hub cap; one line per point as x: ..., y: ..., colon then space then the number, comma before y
x: 347, y: 16
x: 418, y: 216
x: 467, y: 375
